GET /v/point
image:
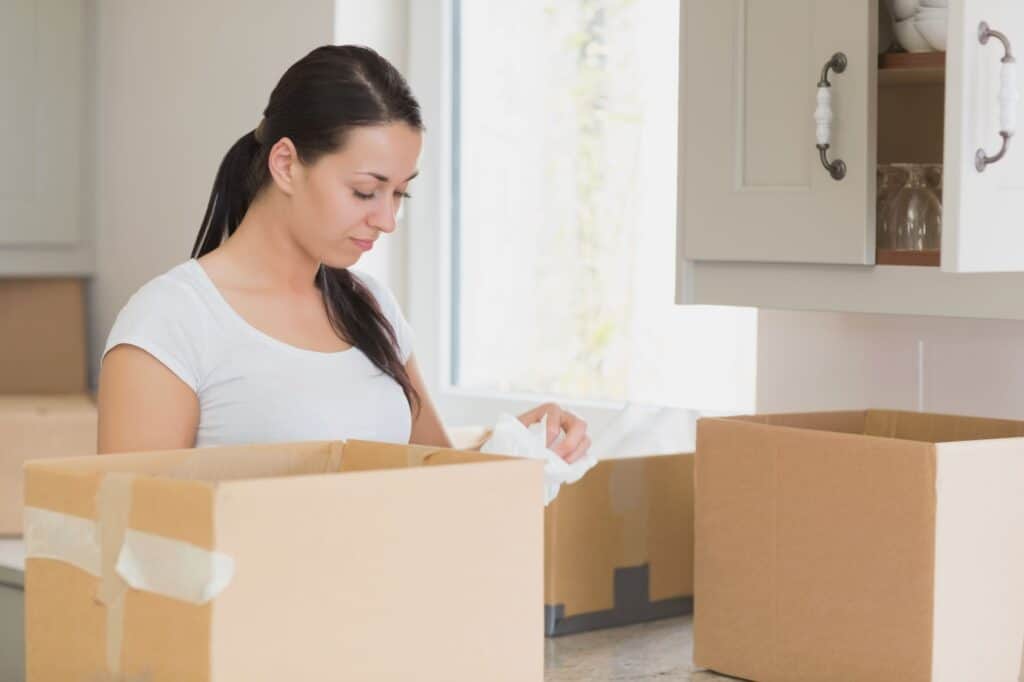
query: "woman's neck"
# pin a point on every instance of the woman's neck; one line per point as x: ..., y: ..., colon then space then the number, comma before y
x: 263, y: 254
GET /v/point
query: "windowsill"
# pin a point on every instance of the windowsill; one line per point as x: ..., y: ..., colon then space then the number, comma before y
x: 535, y: 398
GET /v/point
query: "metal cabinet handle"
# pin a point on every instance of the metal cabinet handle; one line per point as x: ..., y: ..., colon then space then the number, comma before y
x: 823, y: 116
x: 1008, y: 97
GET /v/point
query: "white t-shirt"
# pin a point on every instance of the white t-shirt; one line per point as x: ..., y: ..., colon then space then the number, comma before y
x: 253, y: 388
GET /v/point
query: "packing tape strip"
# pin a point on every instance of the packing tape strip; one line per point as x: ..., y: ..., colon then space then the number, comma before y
x: 63, y: 537
x: 171, y: 568
x: 113, y: 504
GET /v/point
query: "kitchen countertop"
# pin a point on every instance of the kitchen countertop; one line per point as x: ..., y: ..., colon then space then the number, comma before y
x: 660, y: 650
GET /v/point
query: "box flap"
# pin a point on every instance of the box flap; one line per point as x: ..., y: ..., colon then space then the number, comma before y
x: 938, y: 428
x: 211, y: 464
x: 369, y: 456
x: 839, y: 422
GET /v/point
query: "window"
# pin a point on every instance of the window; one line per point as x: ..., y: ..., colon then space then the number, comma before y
x: 541, y: 244
x: 564, y: 194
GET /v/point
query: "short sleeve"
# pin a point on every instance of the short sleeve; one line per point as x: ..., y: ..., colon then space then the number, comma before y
x: 162, y: 318
x: 393, y: 312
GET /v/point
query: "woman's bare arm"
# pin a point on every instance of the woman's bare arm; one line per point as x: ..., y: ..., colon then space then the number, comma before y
x: 143, y: 405
x: 427, y: 427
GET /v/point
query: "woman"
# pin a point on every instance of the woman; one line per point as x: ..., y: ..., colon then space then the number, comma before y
x: 264, y: 335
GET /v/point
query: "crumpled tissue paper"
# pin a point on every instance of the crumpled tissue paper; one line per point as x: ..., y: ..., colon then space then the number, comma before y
x: 635, y: 431
x: 511, y: 437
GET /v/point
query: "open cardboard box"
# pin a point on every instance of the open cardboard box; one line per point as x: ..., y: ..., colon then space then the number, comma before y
x: 266, y: 563
x: 34, y: 427
x: 869, y: 545
x: 618, y: 545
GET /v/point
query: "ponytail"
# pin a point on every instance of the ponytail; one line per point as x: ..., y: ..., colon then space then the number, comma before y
x: 233, y: 190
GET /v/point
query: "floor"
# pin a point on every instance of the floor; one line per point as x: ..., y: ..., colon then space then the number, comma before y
x: 661, y: 650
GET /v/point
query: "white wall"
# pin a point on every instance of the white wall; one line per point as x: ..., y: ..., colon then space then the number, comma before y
x: 178, y: 83
x: 384, y: 26
x: 810, y: 361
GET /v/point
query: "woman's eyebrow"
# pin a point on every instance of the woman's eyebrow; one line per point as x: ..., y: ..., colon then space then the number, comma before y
x: 384, y: 178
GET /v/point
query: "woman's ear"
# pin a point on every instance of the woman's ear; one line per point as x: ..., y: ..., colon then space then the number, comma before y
x: 284, y: 165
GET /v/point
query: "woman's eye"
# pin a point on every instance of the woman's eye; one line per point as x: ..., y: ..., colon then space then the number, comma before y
x: 360, y: 195
x: 403, y: 195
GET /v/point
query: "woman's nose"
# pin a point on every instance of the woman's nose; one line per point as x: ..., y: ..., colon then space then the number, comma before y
x: 384, y: 218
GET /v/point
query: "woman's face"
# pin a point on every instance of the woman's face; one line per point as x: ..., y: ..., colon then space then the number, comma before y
x: 346, y: 200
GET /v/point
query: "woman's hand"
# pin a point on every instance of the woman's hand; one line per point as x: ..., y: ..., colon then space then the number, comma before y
x: 576, y: 441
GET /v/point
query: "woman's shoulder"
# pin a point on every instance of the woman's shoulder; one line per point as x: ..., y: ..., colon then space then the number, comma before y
x: 166, y: 318
x: 176, y: 286
x: 174, y: 296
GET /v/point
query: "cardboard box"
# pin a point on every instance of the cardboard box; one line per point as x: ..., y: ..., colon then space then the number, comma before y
x: 872, y: 545
x: 42, y: 336
x: 39, y: 426
x: 618, y: 545
x: 265, y: 563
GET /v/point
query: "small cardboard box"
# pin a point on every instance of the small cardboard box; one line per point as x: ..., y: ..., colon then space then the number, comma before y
x: 870, y: 545
x: 42, y: 336
x: 618, y: 545
x: 310, y: 561
x: 39, y: 426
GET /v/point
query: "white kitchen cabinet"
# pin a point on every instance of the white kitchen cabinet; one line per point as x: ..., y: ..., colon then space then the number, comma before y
x: 45, y: 131
x: 762, y: 222
x: 754, y: 188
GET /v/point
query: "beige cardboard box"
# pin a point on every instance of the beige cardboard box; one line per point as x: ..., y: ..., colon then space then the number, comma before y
x: 265, y: 563
x: 854, y: 546
x: 618, y: 545
x: 39, y: 426
x: 42, y: 336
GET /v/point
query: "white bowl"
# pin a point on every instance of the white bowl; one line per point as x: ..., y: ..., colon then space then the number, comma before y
x: 933, y: 31
x: 909, y: 38
x: 903, y: 9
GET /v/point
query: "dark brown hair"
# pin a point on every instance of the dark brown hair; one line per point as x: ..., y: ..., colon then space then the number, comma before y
x: 317, y: 101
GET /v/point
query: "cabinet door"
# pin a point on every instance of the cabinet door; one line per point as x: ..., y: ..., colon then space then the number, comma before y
x: 983, y: 211
x: 753, y: 185
x: 41, y: 112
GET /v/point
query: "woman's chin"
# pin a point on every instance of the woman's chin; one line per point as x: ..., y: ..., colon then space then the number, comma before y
x: 341, y: 260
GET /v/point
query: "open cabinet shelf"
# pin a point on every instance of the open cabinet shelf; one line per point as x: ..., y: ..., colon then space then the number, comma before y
x: 920, y: 258
x: 911, y: 68
x: 911, y: 90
